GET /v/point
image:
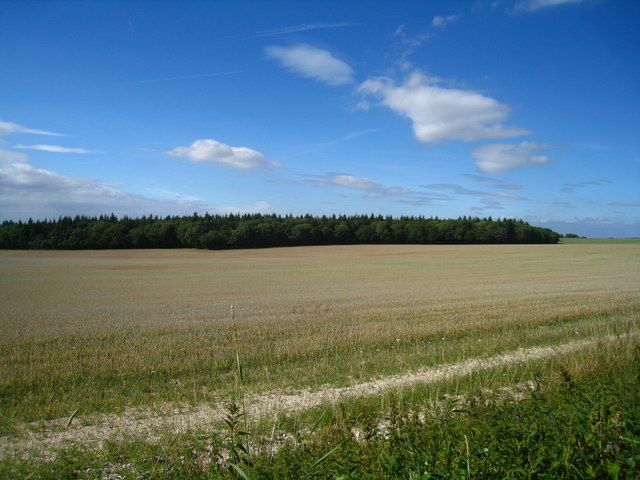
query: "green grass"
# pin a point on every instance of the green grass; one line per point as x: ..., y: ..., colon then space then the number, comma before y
x: 600, y: 241
x: 573, y: 427
x: 193, y: 375
x: 580, y: 419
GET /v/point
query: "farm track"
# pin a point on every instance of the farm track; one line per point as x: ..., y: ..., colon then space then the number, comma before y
x: 43, y: 439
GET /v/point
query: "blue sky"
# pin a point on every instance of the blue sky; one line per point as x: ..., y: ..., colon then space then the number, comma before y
x: 503, y: 108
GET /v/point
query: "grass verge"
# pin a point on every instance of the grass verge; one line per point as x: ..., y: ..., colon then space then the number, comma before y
x: 571, y: 416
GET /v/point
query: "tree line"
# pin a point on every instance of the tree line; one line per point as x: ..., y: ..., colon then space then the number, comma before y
x: 216, y: 232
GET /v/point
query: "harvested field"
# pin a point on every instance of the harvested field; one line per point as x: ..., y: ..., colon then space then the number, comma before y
x: 103, y: 335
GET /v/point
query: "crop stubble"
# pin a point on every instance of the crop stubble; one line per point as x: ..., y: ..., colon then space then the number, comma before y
x: 103, y: 330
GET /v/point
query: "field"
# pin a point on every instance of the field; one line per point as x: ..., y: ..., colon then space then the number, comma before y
x: 118, y: 362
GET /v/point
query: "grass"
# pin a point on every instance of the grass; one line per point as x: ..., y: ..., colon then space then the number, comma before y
x: 600, y: 241
x: 573, y: 426
x: 575, y: 417
x: 102, y: 332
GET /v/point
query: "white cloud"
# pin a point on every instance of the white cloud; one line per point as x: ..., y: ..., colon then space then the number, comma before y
x: 29, y: 192
x: 501, y: 157
x: 9, y: 128
x: 312, y: 62
x: 374, y: 189
x: 361, y: 183
x: 55, y: 148
x: 439, y: 21
x: 531, y: 5
x: 212, y: 151
x: 439, y: 114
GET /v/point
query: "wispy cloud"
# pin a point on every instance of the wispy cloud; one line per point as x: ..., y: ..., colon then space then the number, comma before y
x: 440, y: 114
x: 461, y: 190
x: 488, y: 200
x: 312, y: 62
x: 570, y: 187
x: 314, y: 147
x: 9, y: 128
x: 565, y: 204
x: 532, y: 5
x: 257, y: 207
x: 496, y: 182
x: 56, y: 149
x: 208, y: 150
x: 373, y: 188
x: 181, y: 77
x: 165, y: 193
x: 443, y: 21
x: 625, y: 204
x: 596, y: 146
x: 411, y: 41
x: 303, y: 27
x: 419, y: 199
x: 502, y: 157
x: 282, y: 181
x: 597, y: 227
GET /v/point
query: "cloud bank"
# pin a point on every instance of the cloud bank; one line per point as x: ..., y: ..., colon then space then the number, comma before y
x: 30, y: 192
x: 312, y: 62
x: 208, y: 150
x: 440, y: 114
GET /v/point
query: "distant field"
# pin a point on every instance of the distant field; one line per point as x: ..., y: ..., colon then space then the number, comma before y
x: 95, y: 332
x: 600, y: 241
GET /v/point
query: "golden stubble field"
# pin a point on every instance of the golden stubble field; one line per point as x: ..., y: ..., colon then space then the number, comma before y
x: 103, y: 330
x: 85, y: 292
